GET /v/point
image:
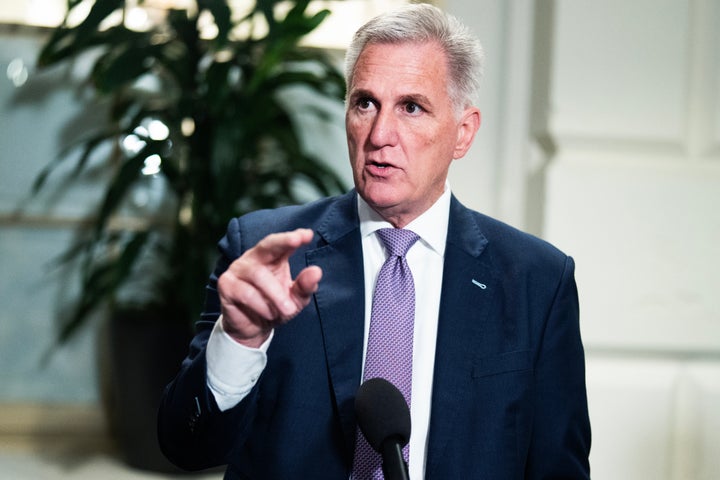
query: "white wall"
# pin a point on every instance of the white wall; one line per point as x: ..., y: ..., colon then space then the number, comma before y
x: 633, y: 193
x: 618, y: 142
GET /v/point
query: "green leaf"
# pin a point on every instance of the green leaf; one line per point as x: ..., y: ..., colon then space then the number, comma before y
x: 102, y: 281
x: 87, y: 145
x: 121, y: 66
x: 126, y: 176
x: 66, y: 42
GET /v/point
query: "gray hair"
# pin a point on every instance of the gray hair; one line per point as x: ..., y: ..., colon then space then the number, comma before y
x: 426, y: 23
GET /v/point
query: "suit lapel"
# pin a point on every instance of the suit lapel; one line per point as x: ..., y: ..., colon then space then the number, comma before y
x: 340, y: 304
x: 467, y: 297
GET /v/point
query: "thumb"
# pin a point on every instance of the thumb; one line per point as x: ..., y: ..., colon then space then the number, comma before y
x: 306, y: 283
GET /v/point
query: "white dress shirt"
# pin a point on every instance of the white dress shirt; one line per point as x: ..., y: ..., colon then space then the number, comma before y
x: 425, y: 258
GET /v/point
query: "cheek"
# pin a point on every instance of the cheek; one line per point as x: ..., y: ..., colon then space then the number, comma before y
x: 351, y: 134
x: 441, y: 140
x: 428, y: 144
x: 354, y: 156
x: 426, y: 134
x: 354, y: 132
x: 437, y: 152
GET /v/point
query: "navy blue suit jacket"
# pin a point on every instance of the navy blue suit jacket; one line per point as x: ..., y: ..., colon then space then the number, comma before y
x: 509, y: 398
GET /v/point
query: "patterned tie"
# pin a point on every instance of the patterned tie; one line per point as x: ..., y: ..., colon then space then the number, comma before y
x: 390, y: 341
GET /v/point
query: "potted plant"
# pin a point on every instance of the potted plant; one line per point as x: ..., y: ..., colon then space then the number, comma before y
x: 196, y: 105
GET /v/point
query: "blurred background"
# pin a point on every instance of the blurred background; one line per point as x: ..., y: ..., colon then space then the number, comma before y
x: 601, y: 134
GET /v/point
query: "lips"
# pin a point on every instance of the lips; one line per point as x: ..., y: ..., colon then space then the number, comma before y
x: 379, y: 168
x: 378, y: 163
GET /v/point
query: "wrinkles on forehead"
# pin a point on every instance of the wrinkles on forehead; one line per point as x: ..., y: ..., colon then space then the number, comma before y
x: 410, y: 71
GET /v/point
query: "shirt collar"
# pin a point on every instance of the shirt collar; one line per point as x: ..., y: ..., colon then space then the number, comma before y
x: 431, y: 225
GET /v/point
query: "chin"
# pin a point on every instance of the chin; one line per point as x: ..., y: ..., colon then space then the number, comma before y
x: 380, y: 196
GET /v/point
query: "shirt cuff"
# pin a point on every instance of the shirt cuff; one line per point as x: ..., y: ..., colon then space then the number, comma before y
x: 228, y: 383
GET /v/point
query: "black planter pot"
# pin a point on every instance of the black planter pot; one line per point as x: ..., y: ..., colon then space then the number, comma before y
x: 142, y: 354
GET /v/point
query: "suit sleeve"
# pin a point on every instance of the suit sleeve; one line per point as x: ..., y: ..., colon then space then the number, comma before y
x: 560, y: 443
x: 192, y: 430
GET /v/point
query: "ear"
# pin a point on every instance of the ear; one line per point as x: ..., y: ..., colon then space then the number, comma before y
x: 467, y: 128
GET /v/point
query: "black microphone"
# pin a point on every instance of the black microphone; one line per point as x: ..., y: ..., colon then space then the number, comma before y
x: 384, y: 419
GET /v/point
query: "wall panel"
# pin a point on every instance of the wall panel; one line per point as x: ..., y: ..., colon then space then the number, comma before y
x: 632, y: 192
x: 644, y: 235
x: 621, y: 70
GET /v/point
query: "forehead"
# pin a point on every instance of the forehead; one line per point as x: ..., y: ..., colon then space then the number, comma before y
x: 402, y: 66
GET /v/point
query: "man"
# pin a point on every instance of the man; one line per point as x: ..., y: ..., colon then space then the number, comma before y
x: 497, y: 374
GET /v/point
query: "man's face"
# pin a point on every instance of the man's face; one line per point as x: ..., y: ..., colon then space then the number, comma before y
x: 402, y: 130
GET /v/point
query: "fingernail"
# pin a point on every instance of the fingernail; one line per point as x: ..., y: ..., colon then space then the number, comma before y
x: 289, y: 307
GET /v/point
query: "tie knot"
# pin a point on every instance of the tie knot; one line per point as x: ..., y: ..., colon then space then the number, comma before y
x: 397, y: 240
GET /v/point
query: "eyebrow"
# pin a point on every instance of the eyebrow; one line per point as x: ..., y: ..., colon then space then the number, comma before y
x: 361, y: 93
x: 418, y: 98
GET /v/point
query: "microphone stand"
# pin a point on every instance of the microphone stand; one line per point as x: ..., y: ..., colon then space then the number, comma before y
x: 393, y: 466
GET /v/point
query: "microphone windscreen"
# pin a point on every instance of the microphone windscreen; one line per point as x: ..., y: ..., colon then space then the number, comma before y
x: 382, y: 413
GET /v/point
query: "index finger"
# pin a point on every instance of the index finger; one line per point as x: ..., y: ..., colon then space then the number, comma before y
x: 279, y: 246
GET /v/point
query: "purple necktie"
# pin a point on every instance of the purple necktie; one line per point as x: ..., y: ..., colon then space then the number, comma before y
x: 390, y: 340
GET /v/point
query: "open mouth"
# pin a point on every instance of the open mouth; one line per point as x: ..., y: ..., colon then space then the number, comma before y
x: 380, y: 165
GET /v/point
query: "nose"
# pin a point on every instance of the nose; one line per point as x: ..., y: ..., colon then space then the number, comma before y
x: 384, y: 130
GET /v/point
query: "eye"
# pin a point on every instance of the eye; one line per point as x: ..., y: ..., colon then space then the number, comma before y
x: 413, y: 108
x: 365, y: 104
